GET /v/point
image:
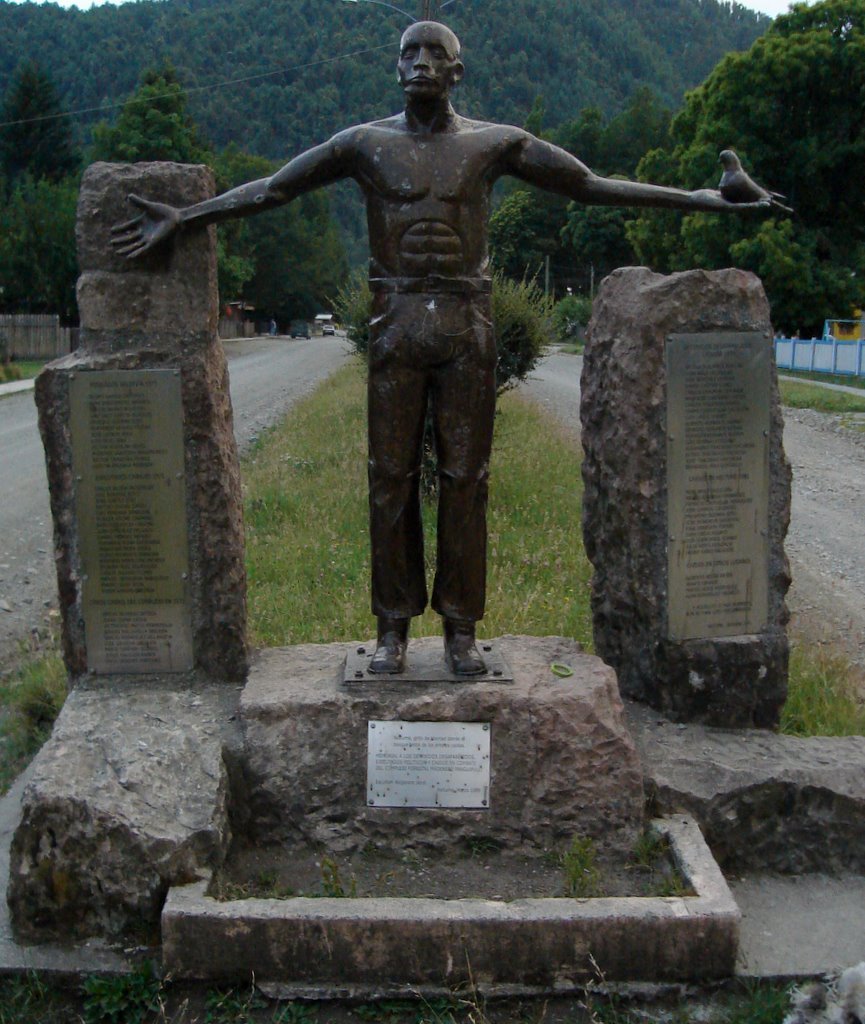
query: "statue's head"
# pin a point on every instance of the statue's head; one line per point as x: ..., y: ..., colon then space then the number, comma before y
x: 429, y: 62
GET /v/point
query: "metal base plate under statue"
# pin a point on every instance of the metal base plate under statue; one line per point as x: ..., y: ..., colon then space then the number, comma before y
x: 424, y: 664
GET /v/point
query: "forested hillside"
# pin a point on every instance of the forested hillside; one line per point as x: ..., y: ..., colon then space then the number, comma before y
x: 302, y: 82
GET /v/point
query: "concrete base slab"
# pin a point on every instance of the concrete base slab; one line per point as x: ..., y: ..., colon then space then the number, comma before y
x: 799, y: 927
x: 364, y: 946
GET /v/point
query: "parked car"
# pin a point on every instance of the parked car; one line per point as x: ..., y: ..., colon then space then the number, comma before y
x: 328, y: 329
x: 299, y: 329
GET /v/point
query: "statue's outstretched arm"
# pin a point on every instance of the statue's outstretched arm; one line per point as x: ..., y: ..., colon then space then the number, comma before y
x: 556, y: 170
x: 155, y: 222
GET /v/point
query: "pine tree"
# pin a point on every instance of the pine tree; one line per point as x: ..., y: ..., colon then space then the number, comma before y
x: 35, y: 137
x: 153, y: 124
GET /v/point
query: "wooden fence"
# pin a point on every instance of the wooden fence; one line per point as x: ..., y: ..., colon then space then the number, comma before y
x: 232, y: 327
x: 35, y: 336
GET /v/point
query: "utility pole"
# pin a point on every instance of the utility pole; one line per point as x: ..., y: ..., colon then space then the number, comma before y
x: 425, y: 14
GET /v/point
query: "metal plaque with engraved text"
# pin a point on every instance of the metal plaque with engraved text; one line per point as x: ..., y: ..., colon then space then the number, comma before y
x: 718, y: 395
x: 428, y: 764
x: 130, y: 503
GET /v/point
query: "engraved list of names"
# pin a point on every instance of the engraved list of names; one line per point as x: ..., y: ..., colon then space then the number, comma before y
x: 717, y: 484
x: 130, y: 498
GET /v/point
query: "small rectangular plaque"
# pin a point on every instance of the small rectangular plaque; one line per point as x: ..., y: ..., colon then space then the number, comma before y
x: 718, y: 401
x: 428, y: 764
x: 130, y: 503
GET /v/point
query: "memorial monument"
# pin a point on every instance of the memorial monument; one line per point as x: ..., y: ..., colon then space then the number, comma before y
x: 427, y: 176
x: 158, y: 765
x: 687, y: 494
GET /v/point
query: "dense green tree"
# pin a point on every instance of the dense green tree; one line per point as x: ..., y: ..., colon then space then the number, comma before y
x: 38, y: 269
x: 642, y: 125
x: 598, y: 240
x: 153, y: 124
x: 288, y: 263
x: 276, y: 78
x: 235, y: 246
x: 35, y: 137
x: 792, y: 108
x: 581, y: 242
x: 582, y: 136
x: 518, y: 240
x: 569, y: 314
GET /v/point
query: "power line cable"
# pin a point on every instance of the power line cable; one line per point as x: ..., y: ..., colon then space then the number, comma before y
x: 197, y: 88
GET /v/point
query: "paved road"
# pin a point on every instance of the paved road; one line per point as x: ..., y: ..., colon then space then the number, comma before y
x: 267, y: 376
x: 826, y: 540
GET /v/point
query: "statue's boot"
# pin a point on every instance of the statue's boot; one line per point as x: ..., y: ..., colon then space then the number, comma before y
x: 461, y: 652
x: 389, y: 656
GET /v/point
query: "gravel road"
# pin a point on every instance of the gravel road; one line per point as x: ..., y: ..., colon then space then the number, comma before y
x: 267, y: 376
x: 826, y: 541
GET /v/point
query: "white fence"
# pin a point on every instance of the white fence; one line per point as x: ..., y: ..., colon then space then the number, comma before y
x: 35, y: 336
x: 822, y: 355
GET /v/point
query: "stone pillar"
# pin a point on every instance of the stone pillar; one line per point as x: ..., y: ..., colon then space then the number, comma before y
x: 723, y: 680
x: 156, y: 313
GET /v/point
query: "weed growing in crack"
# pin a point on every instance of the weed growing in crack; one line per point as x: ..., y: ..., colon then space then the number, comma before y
x: 579, y: 863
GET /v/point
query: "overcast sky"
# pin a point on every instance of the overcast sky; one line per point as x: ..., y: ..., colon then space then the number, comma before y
x: 771, y: 7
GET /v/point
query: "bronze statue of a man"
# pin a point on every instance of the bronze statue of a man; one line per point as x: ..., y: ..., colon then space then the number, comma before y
x: 426, y: 175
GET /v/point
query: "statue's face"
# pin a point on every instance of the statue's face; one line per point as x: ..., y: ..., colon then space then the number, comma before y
x: 429, y: 63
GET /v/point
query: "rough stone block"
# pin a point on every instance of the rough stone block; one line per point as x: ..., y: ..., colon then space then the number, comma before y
x: 735, y: 681
x: 127, y: 798
x: 156, y: 313
x: 562, y: 762
x: 764, y: 802
x: 169, y: 293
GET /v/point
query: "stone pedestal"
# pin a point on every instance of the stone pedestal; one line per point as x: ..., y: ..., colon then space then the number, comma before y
x: 156, y: 313
x: 735, y: 680
x: 562, y: 763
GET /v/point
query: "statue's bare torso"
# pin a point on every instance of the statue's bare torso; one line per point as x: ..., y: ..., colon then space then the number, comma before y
x: 428, y: 201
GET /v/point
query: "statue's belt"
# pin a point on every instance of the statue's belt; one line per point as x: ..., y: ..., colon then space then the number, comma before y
x: 431, y: 285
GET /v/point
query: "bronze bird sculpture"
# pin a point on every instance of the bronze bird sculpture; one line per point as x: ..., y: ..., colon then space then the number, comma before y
x: 737, y: 187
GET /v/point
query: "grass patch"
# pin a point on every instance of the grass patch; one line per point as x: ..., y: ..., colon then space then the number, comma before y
x: 307, y: 532
x: 29, y: 368
x: 827, y: 378
x: 23, y: 370
x: 806, y: 396
x: 823, y: 696
x: 757, y: 1002
x: 30, y: 700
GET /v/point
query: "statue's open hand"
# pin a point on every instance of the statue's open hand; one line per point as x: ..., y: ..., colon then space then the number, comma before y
x: 155, y: 224
x: 709, y: 198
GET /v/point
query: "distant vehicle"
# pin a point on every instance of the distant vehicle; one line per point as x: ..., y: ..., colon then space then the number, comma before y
x: 328, y: 329
x: 299, y: 329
